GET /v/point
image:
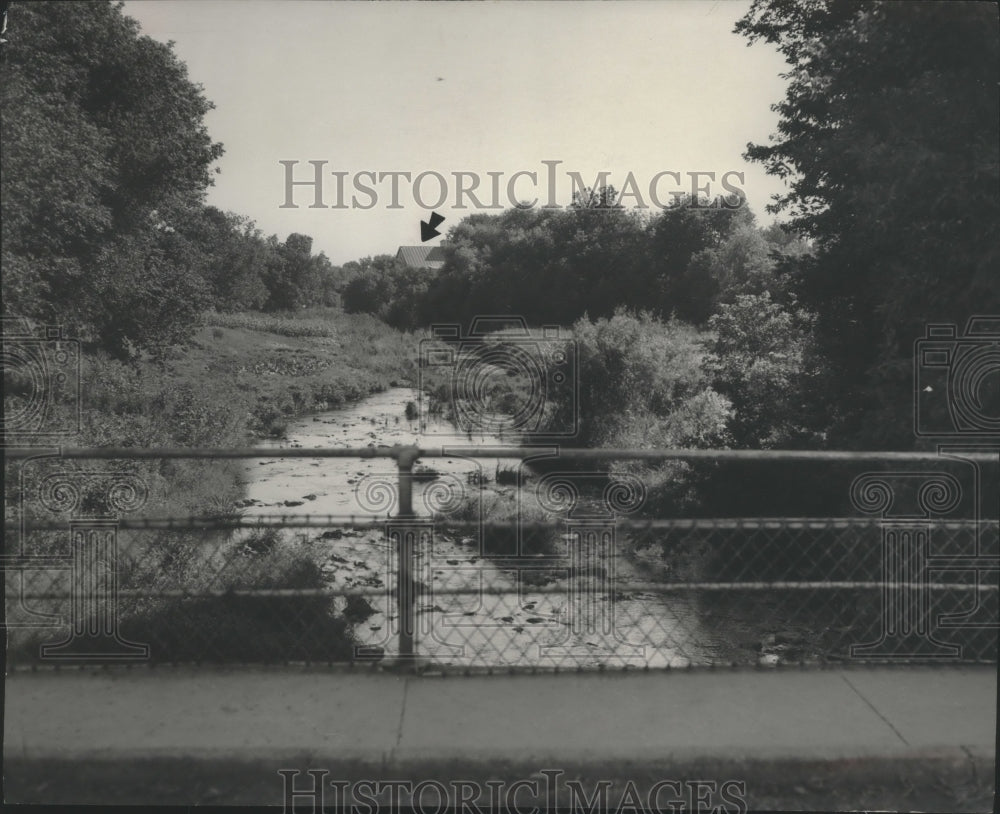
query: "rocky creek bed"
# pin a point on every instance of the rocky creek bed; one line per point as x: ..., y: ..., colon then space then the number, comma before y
x: 539, y: 612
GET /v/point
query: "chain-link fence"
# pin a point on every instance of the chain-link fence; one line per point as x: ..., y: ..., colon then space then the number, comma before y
x: 581, y: 577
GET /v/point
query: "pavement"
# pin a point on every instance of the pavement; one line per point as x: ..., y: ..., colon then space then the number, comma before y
x: 787, y: 726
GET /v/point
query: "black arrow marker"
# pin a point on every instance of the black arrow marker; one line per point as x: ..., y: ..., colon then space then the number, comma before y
x: 429, y: 230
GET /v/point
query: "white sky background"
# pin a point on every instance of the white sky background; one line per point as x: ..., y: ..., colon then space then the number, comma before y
x: 626, y: 86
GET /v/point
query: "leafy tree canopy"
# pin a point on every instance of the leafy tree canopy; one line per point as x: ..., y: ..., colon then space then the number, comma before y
x: 888, y: 136
x: 104, y: 145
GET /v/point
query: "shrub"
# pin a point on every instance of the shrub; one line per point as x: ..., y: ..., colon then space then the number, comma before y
x: 643, y: 385
x: 506, y: 476
x: 758, y: 353
x: 241, y: 628
x: 637, y: 372
x: 514, y: 512
x: 234, y: 628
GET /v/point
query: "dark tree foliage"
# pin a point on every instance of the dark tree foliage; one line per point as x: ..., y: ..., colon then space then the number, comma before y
x: 554, y: 266
x: 105, y: 152
x: 383, y: 286
x: 292, y: 277
x: 679, y: 242
x: 106, y: 162
x: 234, y: 258
x: 889, y: 138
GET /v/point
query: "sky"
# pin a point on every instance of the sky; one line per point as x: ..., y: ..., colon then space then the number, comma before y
x: 639, y: 88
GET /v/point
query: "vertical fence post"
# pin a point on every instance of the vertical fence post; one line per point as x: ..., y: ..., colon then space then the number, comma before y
x: 405, y: 588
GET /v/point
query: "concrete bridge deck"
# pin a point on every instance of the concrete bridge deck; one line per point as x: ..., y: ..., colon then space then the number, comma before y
x: 796, y: 737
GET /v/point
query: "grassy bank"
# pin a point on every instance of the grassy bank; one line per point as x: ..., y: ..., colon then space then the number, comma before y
x: 243, y: 377
x: 283, y: 366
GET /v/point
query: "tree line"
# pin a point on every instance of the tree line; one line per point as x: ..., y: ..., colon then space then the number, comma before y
x: 554, y: 266
x: 887, y: 136
x: 888, y: 139
x: 106, y: 162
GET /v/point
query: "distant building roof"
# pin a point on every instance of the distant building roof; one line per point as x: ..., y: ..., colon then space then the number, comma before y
x: 421, y: 257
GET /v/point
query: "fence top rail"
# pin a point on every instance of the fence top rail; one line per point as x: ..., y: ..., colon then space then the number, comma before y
x: 330, y: 521
x: 967, y: 452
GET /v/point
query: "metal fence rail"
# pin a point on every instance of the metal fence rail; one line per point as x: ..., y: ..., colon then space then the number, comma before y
x: 410, y: 453
x: 322, y: 521
x: 589, y: 586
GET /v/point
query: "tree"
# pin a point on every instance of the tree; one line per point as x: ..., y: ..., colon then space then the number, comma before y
x: 409, y: 286
x: 373, y: 285
x: 104, y: 145
x: 604, y: 197
x: 888, y: 135
x: 233, y: 257
x: 145, y: 292
x: 643, y: 383
x: 759, y: 362
x: 293, y: 276
x: 545, y: 265
x: 330, y: 280
x: 681, y: 238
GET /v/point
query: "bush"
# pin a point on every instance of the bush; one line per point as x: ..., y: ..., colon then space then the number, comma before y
x: 514, y: 511
x: 241, y: 628
x: 506, y: 476
x: 244, y: 629
x: 640, y: 374
x: 758, y: 360
x: 643, y: 385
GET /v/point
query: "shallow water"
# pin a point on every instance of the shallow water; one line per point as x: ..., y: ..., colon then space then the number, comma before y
x: 348, y: 486
x: 500, y: 620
